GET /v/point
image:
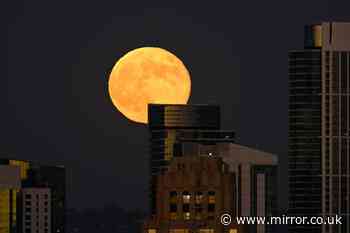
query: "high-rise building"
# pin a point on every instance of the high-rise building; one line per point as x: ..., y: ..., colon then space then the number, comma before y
x: 165, y: 121
x: 54, y: 178
x: 36, y: 210
x: 34, y: 175
x: 319, y: 105
x: 193, y: 194
x: 255, y: 174
x: 10, y: 184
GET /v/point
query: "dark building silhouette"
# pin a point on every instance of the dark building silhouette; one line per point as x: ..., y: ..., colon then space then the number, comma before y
x: 165, y: 122
x: 192, y: 195
x: 37, y: 176
x: 319, y: 160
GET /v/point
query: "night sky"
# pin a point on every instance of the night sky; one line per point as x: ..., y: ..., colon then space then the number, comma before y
x: 55, y: 106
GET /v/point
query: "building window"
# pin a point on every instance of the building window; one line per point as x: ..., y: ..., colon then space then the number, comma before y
x: 152, y: 231
x: 211, y: 207
x: 211, y: 197
x: 173, y: 211
x: 186, y: 208
x: 186, y: 197
x: 173, y: 215
x: 173, y: 208
x: 187, y: 215
x: 206, y: 230
x: 173, y: 197
x: 28, y: 196
x: 198, y: 216
x: 233, y: 231
x: 179, y: 231
x: 199, y: 197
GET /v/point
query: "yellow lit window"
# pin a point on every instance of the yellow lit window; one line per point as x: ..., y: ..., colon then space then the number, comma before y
x: 152, y: 231
x: 233, y: 231
x: 211, y: 197
x: 179, y: 231
x: 206, y: 231
x: 186, y: 197
x: 173, y: 216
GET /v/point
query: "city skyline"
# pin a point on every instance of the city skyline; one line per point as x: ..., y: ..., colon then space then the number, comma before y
x: 54, y: 94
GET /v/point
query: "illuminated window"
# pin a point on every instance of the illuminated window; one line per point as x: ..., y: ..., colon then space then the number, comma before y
x: 173, y: 205
x: 179, y: 231
x: 173, y: 216
x: 187, y: 215
x: 206, y: 230
x: 152, y: 231
x: 233, y: 231
x: 211, y: 197
x: 186, y: 197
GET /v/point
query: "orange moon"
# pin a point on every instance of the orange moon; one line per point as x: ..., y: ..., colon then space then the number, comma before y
x: 148, y: 75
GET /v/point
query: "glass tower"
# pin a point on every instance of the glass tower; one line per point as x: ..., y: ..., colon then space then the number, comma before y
x: 319, y: 161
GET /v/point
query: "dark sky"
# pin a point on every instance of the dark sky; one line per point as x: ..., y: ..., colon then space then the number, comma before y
x: 54, y: 102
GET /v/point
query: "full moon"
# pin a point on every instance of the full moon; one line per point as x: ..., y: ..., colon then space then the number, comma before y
x: 148, y: 75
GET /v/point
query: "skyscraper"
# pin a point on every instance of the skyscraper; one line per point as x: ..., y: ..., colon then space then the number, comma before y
x: 35, y: 175
x: 10, y: 184
x: 319, y: 160
x: 165, y: 121
x: 36, y: 210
